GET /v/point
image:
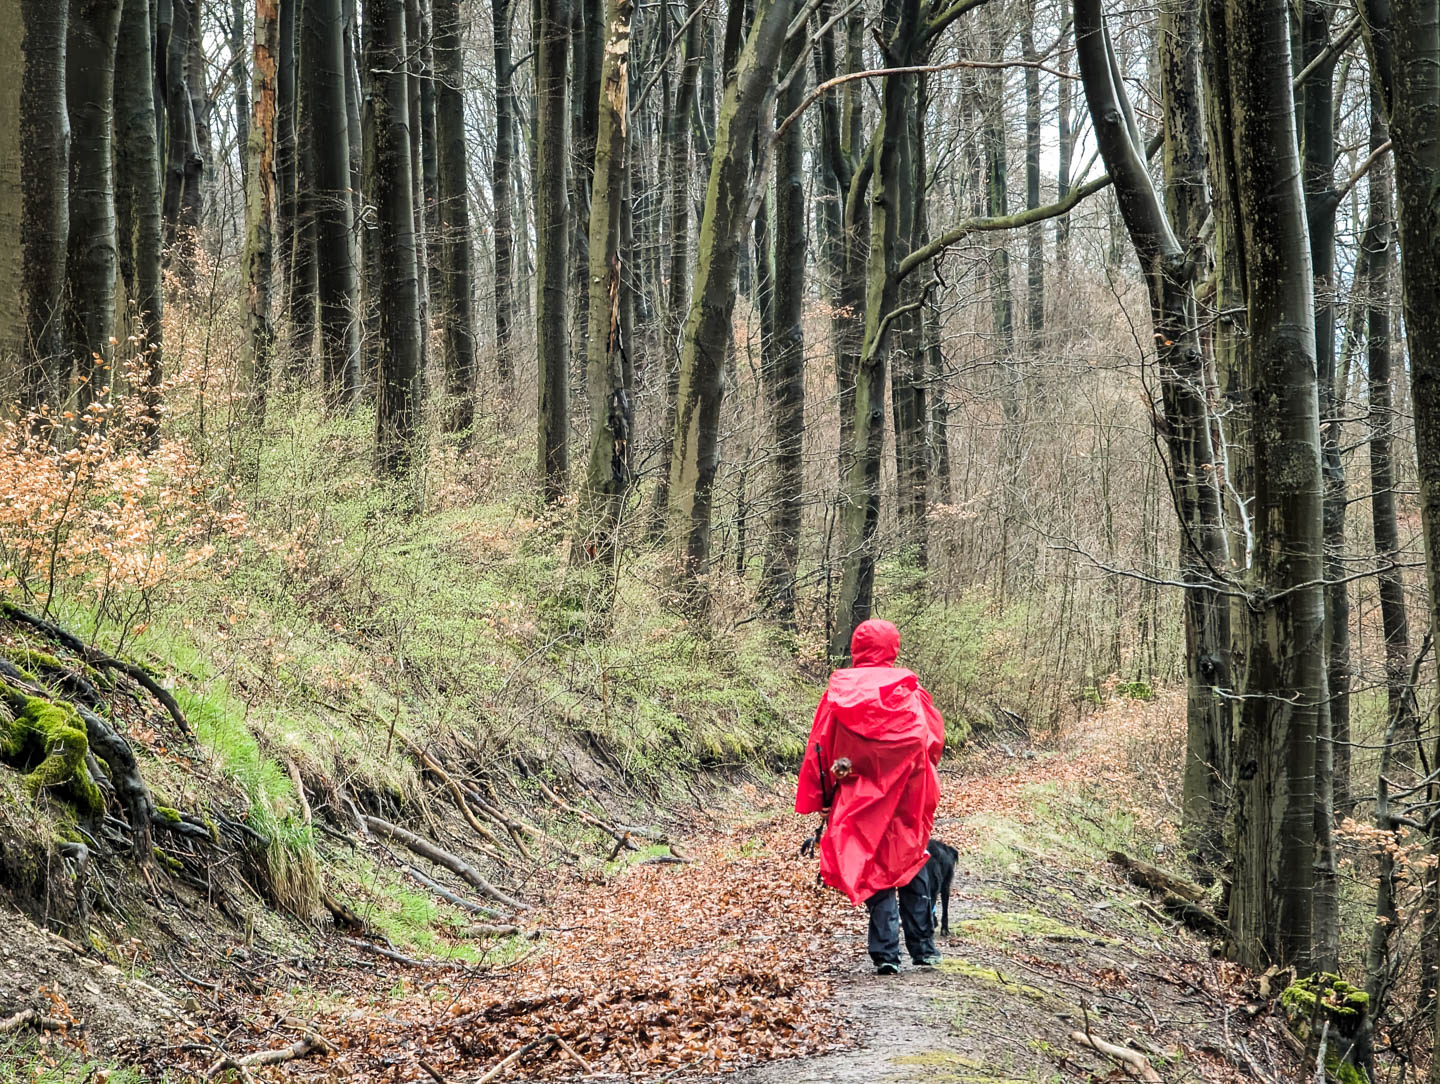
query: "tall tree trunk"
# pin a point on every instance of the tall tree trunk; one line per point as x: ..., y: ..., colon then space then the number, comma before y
x: 34, y: 200
x: 696, y: 451
x: 608, y: 475
x: 1321, y: 200
x: 1272, y: 902
x: 286, y: 147
x: 137, y: 195
x: 1065, y: 139
x: 893, y: 192
x: 397, y: 412
x: 323, y: 52
x: 787, y: 382
x: 91, y: 260
x: 502, y: 195
x: 259, y: 344
x: 677, y: 297
x: 202, y: 105
x: 184, y: 168
x: 418, y: 70
x: 552, y: 240
x: 1377, y: 246
x: 455, y: 285
x: 240, y: 76
x: 1035, y: 256
x: 1404, y: 47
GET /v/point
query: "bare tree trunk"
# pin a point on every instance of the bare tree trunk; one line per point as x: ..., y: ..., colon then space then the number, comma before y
x: 677, y: 298
x: 260, y: 206
x: 1035, y: 256
x: 787, y: 382
x: 1170, y: 269
x: 608, y: 475
x: 323, y: 53
x: 184, y: 168
x: 397, y: 413
x: 137, y: 196
x: 455, y: 279
x: 727, y: 210
x: 91, y: 260
x: 1272, y: 902
x: 240, y: 78
x: 552, y: 233
x: 502, y: 195
x: 1321, y: 200
x: 35, y: 200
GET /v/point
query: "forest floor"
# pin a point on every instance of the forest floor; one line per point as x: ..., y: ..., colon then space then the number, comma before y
x: 732, y: 965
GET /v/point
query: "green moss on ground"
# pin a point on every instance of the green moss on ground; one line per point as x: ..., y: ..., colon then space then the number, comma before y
x: 999, y: 927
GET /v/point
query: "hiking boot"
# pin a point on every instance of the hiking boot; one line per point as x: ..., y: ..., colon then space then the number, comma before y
x: 929, y: 961
x: 887, y: 969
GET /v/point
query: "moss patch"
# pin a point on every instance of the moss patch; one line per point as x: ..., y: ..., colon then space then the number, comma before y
x: 999, y: 927
x: 52, y: 738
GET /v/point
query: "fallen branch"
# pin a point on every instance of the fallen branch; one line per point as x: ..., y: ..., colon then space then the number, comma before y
x: 400, y: 957
x: 441, y: 857
x: 32, y: 1018
x: 1196, y: 917
x: 303, y: 1048
x: 481, y: 929
x: 445, y: 894
x: 1156, y: 879
x: 1130, y: 1059
x: 546, y: 1041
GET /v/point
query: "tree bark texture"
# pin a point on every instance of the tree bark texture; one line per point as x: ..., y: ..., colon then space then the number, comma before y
x: 608, y: 473
x: 91, y: 261
x: 455, y: 287
x: 397, y: 412
x: 696, y: 448
x: 34, y: 200
x: 1272, y: 901
x: 502, y: 194
x: 786, y: 384
x: 552, y: 241
x: 336, y: 277
x: 260, y: 206
x: 139, y: 222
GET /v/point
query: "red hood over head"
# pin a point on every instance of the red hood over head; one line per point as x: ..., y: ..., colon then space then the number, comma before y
x: 874, y: 643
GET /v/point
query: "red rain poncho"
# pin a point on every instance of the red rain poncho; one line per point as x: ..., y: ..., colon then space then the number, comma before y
x: 876, y: 714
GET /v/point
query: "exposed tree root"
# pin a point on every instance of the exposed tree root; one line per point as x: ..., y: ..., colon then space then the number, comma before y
x: 545, y: 1042
x: 98, y: 658
x: 441, y: 857
x: 432, y: 765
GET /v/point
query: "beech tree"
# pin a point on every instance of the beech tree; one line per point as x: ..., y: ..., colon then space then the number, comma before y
x: 34, y: 201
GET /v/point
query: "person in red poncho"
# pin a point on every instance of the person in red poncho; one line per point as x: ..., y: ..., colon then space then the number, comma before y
x: 871, y: 765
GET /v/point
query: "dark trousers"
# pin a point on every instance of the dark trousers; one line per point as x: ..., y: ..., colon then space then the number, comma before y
x: 905, y: 908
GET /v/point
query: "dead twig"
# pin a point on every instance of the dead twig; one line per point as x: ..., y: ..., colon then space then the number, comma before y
x: 1129, y: 1059
x: 546, y: 1041
x: 307, y: 1046
x: 33, y: 1018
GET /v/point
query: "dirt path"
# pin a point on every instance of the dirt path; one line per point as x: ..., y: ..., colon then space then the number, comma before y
x: 737, y: 968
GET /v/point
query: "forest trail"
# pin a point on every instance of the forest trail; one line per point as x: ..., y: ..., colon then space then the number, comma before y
x: 735, y: 967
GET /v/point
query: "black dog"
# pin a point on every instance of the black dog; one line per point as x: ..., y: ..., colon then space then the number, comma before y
x: 940, y: 871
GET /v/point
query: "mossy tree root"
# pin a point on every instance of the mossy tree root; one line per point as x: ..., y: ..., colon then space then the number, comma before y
x: 53, y: 732
x: 97, y: 658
